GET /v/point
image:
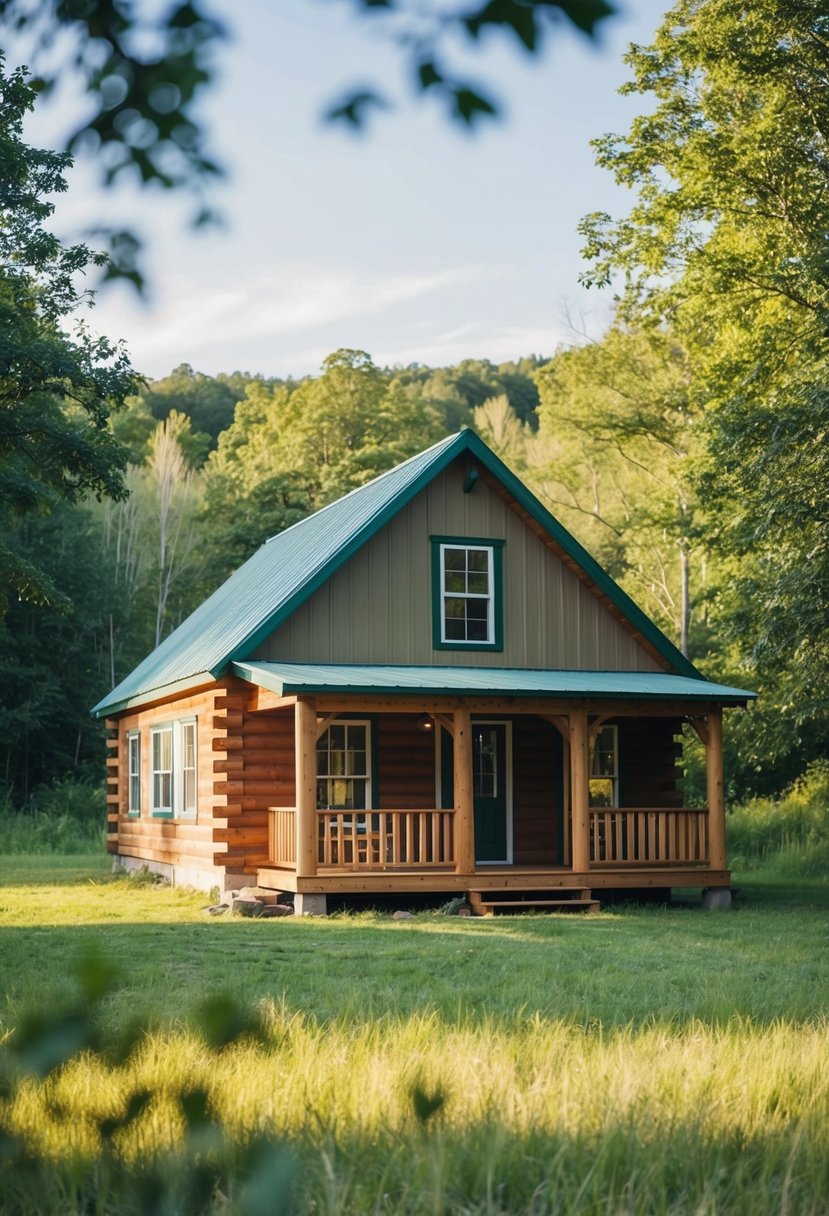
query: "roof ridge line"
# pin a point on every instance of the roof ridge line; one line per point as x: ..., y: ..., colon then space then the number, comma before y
x: 447, y: 440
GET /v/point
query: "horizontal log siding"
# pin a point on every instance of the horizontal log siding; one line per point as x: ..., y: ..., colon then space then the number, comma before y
x: 405, y: 763
x: 173, y: 841
x: 648, y: 762
x: 265, y: 779
x: 536, y: 815
x: 116, y: 776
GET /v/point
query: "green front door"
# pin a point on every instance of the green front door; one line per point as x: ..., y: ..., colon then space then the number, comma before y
x: 489, y: 788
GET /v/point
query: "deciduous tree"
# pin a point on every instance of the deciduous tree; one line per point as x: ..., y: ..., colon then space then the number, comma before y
x: 56, y: 390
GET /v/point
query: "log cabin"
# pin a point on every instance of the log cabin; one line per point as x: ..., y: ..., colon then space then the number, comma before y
x: 427, y: 686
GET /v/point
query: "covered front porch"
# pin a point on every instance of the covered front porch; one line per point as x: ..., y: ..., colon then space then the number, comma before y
x: 402, y: 841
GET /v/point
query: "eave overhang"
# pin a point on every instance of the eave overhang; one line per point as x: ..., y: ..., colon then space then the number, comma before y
x: 286, y: 679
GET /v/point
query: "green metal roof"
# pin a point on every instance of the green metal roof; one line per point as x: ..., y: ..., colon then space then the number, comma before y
x: 287, y: 678
x: 287, y: 569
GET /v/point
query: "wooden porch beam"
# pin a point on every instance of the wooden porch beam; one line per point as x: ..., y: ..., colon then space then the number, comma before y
x: 700, y: 727
x: 323, y: 724
x: 716, y: 786
x: 579, y: 790
x: 595, y: 724
x: 560, y: 723
x: 464, y: 805
x: 305, y: 744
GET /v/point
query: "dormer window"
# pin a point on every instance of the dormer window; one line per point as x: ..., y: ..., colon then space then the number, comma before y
x: 467, y: 593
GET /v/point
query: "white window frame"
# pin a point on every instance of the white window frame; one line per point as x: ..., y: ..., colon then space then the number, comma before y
x: 178, y: 808
x: 159, y: 809
x: 183, y: 810
x: 612, y: 778
x: 365, y: 723
x: 489, y: 640
x: 134, y: 772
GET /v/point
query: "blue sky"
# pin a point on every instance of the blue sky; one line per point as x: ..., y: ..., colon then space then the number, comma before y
x: 415, y: 242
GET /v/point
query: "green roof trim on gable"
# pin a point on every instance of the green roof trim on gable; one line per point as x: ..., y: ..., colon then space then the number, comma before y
x: 287, y: 679
x: 289, y: 568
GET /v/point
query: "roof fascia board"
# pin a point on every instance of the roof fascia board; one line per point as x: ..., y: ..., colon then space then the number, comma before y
x: 265, y: 677
x: 165, y: 693
x: 568, y: 542
x: 368, y: 530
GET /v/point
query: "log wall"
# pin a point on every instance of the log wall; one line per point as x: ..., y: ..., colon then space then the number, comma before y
x: 649, y: 767
x: 245, y: 764
x: 405, y: 764
x: 537, y: 792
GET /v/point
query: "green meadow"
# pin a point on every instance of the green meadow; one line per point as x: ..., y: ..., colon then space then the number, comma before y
x: 642, y: 1060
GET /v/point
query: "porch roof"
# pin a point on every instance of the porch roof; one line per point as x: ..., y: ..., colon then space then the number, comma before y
x: 286, y: 679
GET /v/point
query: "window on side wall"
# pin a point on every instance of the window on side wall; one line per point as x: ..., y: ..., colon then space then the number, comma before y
x: 174, y: 770
x: 604, y: 768
x: 467, y: 593
x: 134, y: 773
x: 162, y: 769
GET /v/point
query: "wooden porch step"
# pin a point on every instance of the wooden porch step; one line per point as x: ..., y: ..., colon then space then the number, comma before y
x: 558, y: 899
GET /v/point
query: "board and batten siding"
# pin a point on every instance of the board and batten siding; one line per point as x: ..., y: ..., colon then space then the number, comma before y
x: 377, y: 608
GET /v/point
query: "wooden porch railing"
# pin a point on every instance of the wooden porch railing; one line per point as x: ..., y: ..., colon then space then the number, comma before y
x: 368, y: 840
x: 621, y: 836
x: 282, y: 836
x: 375, y: 840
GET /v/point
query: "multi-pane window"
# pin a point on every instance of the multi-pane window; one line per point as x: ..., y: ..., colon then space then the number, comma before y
x: 467, y: 593
x: 343, y: 767
x: 484, y: 762
x: 604, y: 768
x: 174, y: 757
x: 188, y: 768
x: 134, y: 773
x: 162, y: 757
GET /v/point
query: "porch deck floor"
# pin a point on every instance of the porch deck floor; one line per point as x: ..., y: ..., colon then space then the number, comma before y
x: 492, y: 877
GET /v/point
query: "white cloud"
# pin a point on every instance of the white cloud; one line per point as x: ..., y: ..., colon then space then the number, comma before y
x: 193, y: 318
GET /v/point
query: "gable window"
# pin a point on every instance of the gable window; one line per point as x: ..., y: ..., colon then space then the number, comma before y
x: 134, y: 773
x: 603, y: 782
x: 174, y: 769
x: 344, y: 767
x: 467, y: 593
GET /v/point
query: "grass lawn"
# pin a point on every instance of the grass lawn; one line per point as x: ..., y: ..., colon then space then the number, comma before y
x: 642, y: 1060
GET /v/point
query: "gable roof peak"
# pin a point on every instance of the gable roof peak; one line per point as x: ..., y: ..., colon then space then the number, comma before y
x: 441, y: 444
x: 288, y: 568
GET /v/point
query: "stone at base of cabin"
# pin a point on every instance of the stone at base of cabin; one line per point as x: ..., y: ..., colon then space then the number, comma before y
x: 716, y: 897
x: 264, y: 894
x: 310, y: 905
x: 229, y: 895
x: 217, y: 909
x: 277, y: 910
x: 465, y: 911
x: 247, y: 907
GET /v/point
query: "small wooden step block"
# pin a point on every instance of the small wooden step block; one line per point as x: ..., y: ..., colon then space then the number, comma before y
x: 561, y: 899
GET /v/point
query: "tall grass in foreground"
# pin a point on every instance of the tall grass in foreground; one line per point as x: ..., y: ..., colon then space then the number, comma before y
x: 413, y: 1116
x: 790, y: 834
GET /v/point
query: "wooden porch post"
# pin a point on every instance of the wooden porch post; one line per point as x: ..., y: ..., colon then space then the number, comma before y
x: 579, y: 790
x: 464, y: 806
x: 305, y: 747
x: 715, y: 781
